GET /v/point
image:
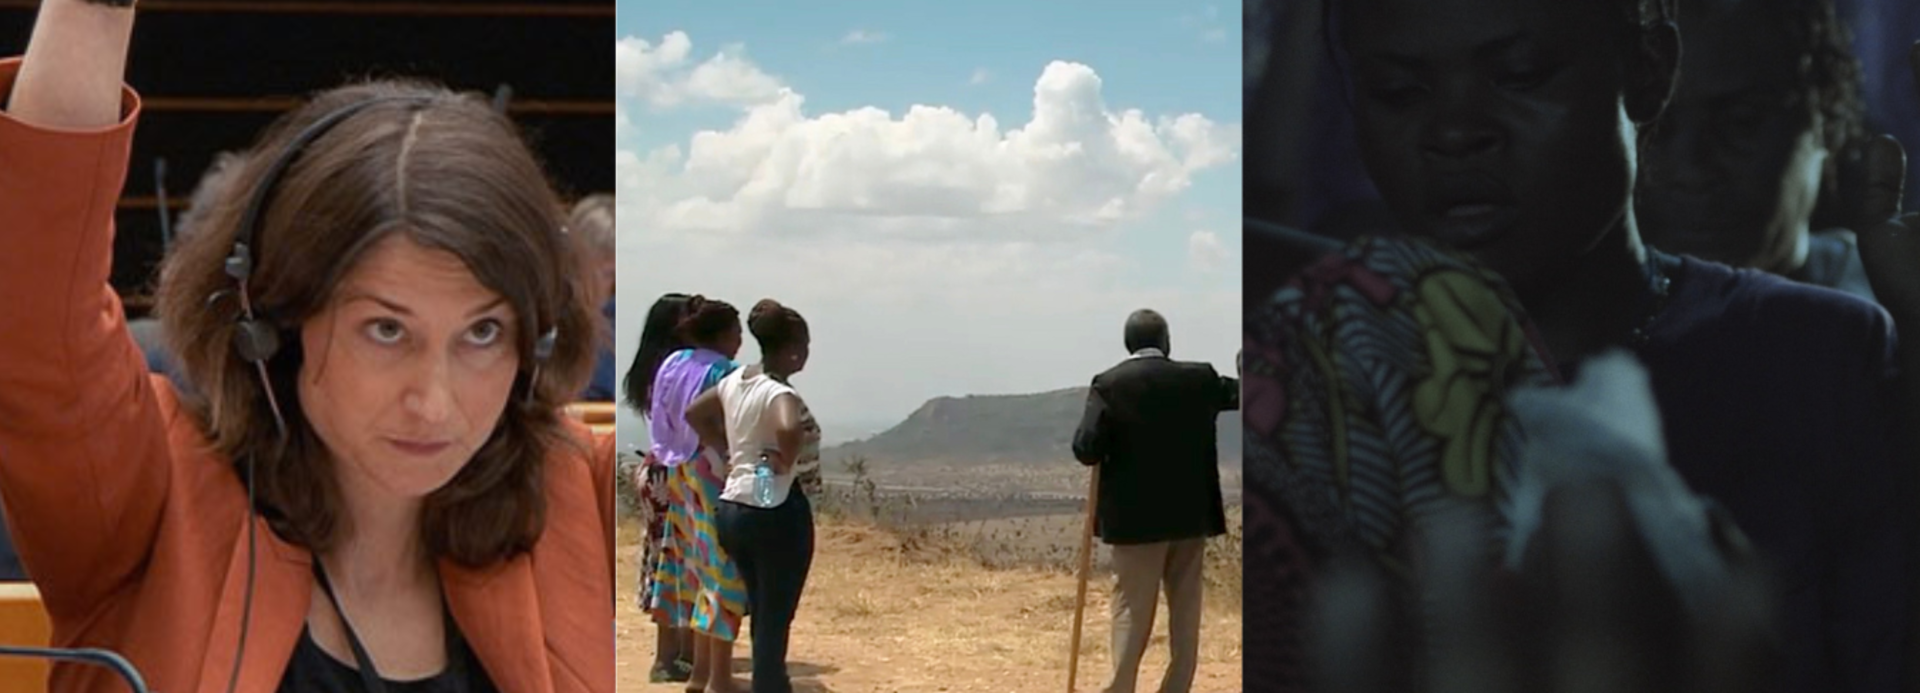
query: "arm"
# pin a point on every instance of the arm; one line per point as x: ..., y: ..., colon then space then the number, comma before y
x: 1090, y: 439
x: 709, y: 419
x: 74, y: 66
x: 1229, y: 389
x: 1889, y: 249
x: 84, y: 443
x: 788, y: 431
x: 639, y: 471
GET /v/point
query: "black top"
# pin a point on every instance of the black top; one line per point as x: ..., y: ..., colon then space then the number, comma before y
x: 1151, y: 426
x: 312, y: 670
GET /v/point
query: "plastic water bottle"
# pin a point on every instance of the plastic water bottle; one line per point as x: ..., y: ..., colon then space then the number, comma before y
x: 763, y: 482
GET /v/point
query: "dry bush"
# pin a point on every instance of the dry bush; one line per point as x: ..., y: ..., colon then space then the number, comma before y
x: 1001, y: 533
x: 626, y: 494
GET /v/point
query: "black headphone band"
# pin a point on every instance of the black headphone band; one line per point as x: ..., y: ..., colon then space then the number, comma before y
x: 254, y: 339
x: 240, y: 262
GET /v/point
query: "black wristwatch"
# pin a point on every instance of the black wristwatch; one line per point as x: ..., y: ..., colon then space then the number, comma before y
x: 110, y: 3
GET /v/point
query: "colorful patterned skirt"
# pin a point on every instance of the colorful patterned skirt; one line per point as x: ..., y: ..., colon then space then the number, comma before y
x: 720, y: 595
x: 665, y: 592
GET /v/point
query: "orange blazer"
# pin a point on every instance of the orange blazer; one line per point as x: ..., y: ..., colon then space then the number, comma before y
x: 135, y: 532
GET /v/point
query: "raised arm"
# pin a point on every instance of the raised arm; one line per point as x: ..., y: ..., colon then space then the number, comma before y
x: 1233, y: 384
x: 74, y: 66
x: 84, y: 446
x: 1890, y: 251
x: 1090, y: 439
x: 1229, y: 390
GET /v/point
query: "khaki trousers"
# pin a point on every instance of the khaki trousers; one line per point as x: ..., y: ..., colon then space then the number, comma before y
x: 1140, y: 572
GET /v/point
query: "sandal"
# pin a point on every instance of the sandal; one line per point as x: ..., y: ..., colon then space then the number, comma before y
x: 677, y: 671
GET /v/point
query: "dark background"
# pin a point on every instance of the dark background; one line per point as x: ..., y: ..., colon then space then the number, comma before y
x: 212, y: 73
x: 1302, y: 165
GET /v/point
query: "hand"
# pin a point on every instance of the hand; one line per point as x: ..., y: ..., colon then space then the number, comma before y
x: 777, y: 460
x: 1889, y: 246
x: 1591, y: 609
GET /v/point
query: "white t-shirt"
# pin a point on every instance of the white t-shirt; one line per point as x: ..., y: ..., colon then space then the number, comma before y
x: 747, y: 403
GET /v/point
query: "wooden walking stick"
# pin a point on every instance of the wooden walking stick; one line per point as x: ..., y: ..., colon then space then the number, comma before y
x: 1086, y: 568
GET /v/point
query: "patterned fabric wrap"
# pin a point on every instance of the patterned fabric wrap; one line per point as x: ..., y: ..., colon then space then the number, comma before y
x: 1374, y: 398
x: 662, y: 604
x: 720, y: 599
x: 675, y: 584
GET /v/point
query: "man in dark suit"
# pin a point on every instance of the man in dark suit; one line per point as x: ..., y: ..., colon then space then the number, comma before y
x: 1150, y: 426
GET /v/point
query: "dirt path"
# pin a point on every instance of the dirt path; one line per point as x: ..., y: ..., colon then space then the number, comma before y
x: 874, y: 622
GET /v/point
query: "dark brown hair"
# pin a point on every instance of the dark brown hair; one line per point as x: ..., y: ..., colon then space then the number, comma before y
x: 659, y: 337
x: 1827, y: 79
x: 706, y: 320
x: 213, y: 185
x: 449, y: 174
x: 774, y: 326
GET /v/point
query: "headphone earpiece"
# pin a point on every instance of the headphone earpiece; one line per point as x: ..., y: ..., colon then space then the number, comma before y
x: 255, y: 340
x: 542, y: 350
x: 239, y: 264
x: 543, y: 347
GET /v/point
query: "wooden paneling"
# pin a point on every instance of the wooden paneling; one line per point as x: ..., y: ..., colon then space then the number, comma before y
x: 213, y: 72
x: 23, y: 622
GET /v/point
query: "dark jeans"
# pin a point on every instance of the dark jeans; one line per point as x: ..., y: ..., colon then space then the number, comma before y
x: 773, y: 549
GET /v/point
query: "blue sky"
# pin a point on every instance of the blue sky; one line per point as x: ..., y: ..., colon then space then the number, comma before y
x: 936, y: 254
x: 1164, y: 56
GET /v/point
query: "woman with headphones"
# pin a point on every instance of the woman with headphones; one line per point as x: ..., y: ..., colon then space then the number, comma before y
x: 373, y: 486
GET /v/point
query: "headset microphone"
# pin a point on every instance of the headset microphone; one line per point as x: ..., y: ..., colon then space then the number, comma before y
x: 160, y: 198
x: 257, y: 340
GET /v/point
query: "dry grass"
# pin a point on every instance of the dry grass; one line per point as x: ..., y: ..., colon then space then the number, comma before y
x: 973, y: 605
x: 1052, y: 543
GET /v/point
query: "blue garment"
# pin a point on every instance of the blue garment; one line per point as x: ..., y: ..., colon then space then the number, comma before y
x: 601, y: 387
x: 10, y: 567
x: 146, y: 333
x: 1833, y: 261
x: 1778, y: 400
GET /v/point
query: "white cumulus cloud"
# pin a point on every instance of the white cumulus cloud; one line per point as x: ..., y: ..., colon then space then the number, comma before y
x: 1076, y: 164
x: 1204, y: 251
x: 859, y: 36
x: 665, y: 74
x: 924, y: 243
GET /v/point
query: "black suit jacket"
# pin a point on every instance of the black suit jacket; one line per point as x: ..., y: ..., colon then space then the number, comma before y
x: 1150, y: 425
